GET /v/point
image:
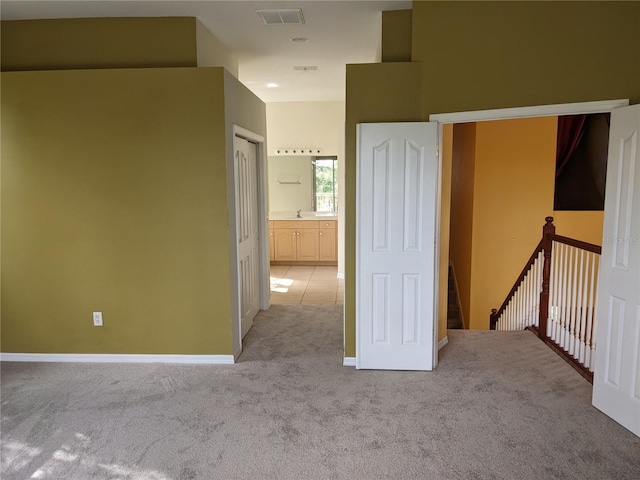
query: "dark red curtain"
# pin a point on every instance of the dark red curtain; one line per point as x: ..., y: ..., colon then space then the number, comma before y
x: 570, y: 133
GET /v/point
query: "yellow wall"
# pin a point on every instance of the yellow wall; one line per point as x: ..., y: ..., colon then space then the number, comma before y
x: 98, y: 43
x: 513, y: 193
x: 114, y: 200
x: 396, y: 36
x: 585, y: 226
x: 483, y: 55
x: 385, y: 92
x: 446, y: 149
x: 462, y: 183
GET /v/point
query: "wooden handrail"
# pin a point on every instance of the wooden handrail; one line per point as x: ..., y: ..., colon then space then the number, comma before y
x: 590, y: 247
x: 524, y: 272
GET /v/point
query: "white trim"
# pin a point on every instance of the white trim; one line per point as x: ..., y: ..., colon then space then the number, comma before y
x: 349, y: 361
x: 237, y: 352
x: 116, y: 358
x: 238, y: 131
x: 443, y: 342
x: 341, y: 275
x: 534, y: 111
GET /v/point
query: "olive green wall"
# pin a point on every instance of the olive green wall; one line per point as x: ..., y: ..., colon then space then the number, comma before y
x: 396, y: 36
x: 98, y: 43
x: 385, y: 92
x: 484, y: 55
x: 114, y: 200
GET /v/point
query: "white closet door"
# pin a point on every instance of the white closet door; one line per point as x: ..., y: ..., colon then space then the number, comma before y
x: 247, y: 231
x: 616, y: 380
x: 395, y: 259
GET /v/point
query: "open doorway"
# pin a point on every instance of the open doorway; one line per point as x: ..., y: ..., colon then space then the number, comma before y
x: 305, y: 174
x: 503, y: 167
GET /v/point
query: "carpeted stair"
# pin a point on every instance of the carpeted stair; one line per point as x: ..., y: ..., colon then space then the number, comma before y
x: 454, y: 319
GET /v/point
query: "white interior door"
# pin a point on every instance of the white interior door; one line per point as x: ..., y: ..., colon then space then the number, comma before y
x: 395, y: 276
x: 247, y: 231
x: 616, y: 381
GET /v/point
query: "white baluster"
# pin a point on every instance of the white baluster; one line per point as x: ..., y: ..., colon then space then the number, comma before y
x: 553, y: 314
x: 574, y: 300
x: 565, y: 296
x: 580, y: 320
x: 529, y: 316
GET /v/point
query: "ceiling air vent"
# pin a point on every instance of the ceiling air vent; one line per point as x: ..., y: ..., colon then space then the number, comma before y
x: 306, y: 68
x: 281, y: 17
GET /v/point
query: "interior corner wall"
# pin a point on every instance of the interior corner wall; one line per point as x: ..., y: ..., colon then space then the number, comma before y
x: 461, y: 220
x: 75, y: 43
x: 513, y: 193
x: 487, y: 55
x: 114, y: 200
x: 212, y: 53
x: 383, y: 92
x: 396, y: 36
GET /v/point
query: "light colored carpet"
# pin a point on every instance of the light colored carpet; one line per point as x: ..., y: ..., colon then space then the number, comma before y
x: 500, y: 405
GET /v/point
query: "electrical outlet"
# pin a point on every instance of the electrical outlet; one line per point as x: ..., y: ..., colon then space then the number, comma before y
x: 97, y: 319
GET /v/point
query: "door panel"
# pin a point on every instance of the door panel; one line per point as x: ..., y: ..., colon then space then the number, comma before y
x: 396, y: 207
x: 616, y: 380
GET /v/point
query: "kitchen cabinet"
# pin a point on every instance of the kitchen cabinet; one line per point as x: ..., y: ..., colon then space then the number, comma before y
x: 303, y: 242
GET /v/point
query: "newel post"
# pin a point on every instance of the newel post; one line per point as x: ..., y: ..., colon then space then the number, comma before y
x: 548, y: 230
x: 493, y: 319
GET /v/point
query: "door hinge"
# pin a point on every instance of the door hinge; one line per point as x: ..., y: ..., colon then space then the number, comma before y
x: 437, y: 150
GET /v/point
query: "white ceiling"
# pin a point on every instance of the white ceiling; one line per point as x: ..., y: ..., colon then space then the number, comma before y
x: 338, y: 32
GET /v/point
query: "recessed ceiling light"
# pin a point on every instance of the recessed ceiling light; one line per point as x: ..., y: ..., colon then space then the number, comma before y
x: 299, y: 39
x: 272, y: 85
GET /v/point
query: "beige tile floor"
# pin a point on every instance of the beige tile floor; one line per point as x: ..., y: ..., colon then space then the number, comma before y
x: 307, y: 285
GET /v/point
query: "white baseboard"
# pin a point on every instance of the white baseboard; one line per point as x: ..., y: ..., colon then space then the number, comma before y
x: 442, y: 343
x: 349, y: 361
x: 116, y: 358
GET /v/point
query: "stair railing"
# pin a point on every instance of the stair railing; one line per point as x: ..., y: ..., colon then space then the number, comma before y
x: 555, y: 296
